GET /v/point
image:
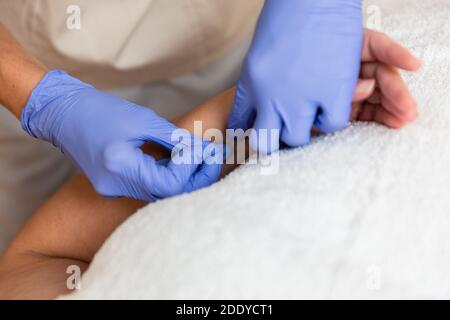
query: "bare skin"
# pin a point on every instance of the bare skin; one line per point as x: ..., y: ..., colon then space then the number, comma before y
x: 19, y: 73
x: 73, y: 224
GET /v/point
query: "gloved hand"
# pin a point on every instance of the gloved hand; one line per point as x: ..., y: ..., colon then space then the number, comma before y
x: 301, y: 70
x: 103, y: 134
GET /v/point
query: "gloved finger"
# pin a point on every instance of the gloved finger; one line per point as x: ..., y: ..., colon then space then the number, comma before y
x: 379, y: 47
x: 180, y: 173
x: 166, y: 178
x: 133, y: 172
x: 242, y: 112
x: 365, y: 90
x: 205, y: 176
x: 215, y: 153
x: 297, y: 129
x: 148, y: 179
x: 162, y: 132
x: 209, y: 169
x: 334, y: 114
x: 265, y: 138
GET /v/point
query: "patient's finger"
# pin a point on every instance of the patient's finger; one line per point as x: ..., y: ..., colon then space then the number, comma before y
x: 379, y: 47
x: 356, y: 110
x: 368, y: 70
x: 383, y: 116
x: 395, y: 93
x: 375, y: 98
x: 364, y: 89
x: 404, y: 113
x: 370, y: 112
x: 397, y: 97
x: 367, y: 112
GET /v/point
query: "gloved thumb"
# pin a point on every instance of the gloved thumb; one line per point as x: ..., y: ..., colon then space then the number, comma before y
x: 208, y: 159
x: 163, y: 179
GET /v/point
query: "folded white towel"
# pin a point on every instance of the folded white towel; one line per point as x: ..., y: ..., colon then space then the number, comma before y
x: 364, y: 213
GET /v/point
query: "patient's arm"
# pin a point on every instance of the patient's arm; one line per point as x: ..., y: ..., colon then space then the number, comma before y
x: 66, y: 230
x: 72, y: 225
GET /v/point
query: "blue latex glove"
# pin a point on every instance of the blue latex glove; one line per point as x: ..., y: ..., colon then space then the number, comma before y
x: 301, y: 70
x: 103, y: 134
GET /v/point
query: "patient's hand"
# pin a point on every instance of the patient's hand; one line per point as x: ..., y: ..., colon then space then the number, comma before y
x: 382, y: 95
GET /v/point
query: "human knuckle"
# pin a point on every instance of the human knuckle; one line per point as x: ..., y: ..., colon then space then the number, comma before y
x: 257, y: 68
x: 114, y: 159
x: 103, y: 188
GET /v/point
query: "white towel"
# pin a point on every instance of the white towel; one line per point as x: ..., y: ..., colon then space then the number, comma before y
x: 364, y: 213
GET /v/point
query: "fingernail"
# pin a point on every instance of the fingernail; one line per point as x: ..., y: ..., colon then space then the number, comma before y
x: 367, y: 86
x: 419, y: 63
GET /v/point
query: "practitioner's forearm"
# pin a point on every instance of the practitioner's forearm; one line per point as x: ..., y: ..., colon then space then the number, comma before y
x: 19, y: 73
